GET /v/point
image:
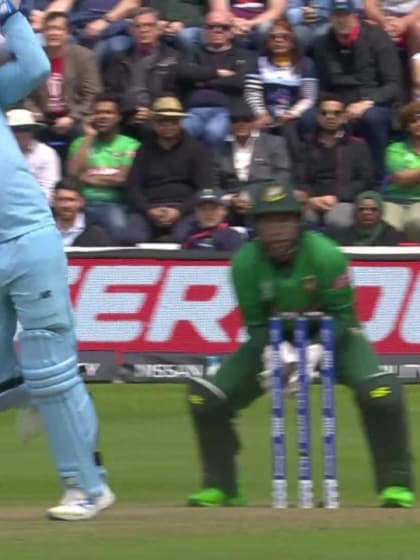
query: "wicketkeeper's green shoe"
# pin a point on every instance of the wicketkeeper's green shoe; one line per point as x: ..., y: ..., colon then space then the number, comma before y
x: 397, y: 497
x: 236, y: 501
x: 214, y: 497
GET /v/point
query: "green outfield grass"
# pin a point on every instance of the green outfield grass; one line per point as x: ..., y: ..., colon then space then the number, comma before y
x: 149, y: 449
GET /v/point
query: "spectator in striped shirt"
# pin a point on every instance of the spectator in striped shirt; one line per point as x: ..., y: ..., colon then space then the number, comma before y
x: 283, y: 86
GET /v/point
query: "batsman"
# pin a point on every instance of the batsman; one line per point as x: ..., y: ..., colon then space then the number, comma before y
x: 43, y: 367
x: 288, y: 269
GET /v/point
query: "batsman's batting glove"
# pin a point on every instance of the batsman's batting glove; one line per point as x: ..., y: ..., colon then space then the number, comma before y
x: 7, y: 9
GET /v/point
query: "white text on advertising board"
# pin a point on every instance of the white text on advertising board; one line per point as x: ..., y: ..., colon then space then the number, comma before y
x: 183, y: 308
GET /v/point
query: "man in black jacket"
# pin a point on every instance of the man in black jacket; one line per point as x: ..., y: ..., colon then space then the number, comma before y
x: 76, y: 231
x: 168, y: 170
x: 335, y: 167
x: 214, y: 77
x: 148, y: 71
x: 359, y: 62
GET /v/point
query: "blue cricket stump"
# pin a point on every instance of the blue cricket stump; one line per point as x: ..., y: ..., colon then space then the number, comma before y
x: 305, y: 478
x: 331, y: 489
x: 305, y: 467
x: 278, y: 431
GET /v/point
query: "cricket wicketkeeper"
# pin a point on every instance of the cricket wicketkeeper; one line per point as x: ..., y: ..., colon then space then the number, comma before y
x: 287, y: 269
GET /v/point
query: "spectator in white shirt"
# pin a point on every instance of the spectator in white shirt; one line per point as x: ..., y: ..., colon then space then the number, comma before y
x: 70, y: 218
x: 42, y: 160
x: 246, y: 159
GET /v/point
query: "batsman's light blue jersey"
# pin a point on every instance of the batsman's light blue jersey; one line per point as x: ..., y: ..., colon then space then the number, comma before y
x: 23, y: 206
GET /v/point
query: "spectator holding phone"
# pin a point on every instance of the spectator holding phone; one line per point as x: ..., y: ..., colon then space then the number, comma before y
x: 100, y: 161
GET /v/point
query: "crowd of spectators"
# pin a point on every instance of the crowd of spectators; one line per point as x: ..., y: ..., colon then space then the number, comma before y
x: 161, y: 118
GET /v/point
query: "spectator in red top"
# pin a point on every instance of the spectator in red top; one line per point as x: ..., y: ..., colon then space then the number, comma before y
x: 67, y: 97
x: 359, y: 62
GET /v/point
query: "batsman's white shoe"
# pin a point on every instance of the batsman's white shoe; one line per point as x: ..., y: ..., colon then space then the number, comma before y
x: 76, y: 506
x: 28, y: 423
x: 72, y: 495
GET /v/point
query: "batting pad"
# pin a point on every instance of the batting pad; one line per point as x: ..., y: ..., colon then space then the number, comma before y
x: 50, y: 369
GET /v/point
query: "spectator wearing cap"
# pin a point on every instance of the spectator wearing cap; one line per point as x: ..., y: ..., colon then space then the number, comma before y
x: 166, y: 174
x: 43, y: 161
x: 146, y: 72
x: 401, y: 20
x: 402, y: 193
x: 71, y: 221
x: 66, y: 98
x: 214, y: 77
x: 246, y: 158
x: 335, y: 167
x: 100, y: 161
x: 209, y: 230
x: 283, y: 86
x: 359, y: 62
x: 368, y: 229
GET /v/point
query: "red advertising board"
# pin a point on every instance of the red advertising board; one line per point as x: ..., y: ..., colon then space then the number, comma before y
x: 188, y: 306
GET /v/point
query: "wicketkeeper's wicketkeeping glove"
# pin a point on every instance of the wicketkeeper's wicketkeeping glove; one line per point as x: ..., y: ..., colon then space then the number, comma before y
x: 289, y: 358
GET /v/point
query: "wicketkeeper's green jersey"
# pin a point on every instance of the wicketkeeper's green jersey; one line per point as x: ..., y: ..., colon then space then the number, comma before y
x: 318, y: 280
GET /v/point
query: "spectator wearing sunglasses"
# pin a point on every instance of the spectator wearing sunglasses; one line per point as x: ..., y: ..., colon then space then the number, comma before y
x: 214, y: 77
x: 168, y: 171
x: 282, y: 86
x: 246, y: 159
x: 335, y: 169
x: 402, y: 195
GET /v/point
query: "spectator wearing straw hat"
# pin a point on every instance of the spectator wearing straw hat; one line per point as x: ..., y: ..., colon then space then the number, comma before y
x: 42, y: 160
x: 166, y: 174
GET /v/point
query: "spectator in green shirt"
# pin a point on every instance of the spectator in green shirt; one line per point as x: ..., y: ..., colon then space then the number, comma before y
x: 402, y: 196
x: 100, y: 161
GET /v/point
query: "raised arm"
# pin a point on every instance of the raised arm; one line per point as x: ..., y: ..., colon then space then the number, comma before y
x: 30, y: 66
